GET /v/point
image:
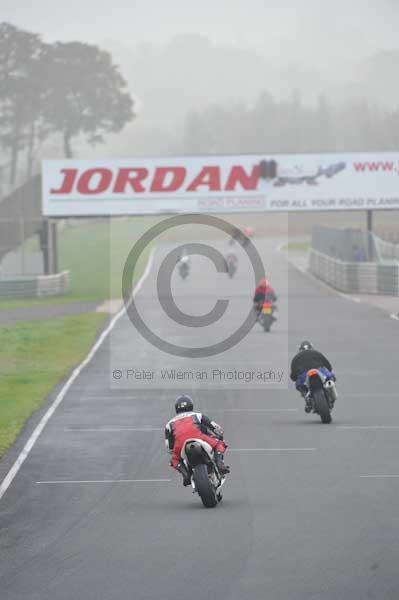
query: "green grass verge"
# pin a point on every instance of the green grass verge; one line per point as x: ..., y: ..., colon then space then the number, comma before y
x: 34, y: 357
x: 95, y: 254
x: 297, y: 246
x: 23, y: 302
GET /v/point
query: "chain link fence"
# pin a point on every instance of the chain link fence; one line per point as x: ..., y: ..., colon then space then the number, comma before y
x: 350, y: 245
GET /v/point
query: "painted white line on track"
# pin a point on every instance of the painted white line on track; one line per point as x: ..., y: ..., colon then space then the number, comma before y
x: 115, y: 397
x: 103, y: 481
x: 143, y: 399
x: 255, y: 410
x: 272, y: 449
x: 346, y: 296
x: 75, y: 374
x: 379, y: 476
x: 359, y: 373
x: 107, y: 429
x: 367, y: 427
x: 369, y: 395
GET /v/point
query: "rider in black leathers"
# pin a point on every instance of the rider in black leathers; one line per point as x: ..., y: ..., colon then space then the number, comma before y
x: 307, y: 358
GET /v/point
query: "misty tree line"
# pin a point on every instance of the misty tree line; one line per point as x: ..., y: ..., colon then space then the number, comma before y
x: 67, y: 89
x: 290, y: 126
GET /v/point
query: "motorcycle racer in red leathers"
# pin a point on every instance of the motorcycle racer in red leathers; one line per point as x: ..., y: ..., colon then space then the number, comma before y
x: 263, y: 293
x: 186, y: 425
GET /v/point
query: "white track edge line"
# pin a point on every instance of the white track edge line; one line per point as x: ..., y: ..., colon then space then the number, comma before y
x: 5, y: 484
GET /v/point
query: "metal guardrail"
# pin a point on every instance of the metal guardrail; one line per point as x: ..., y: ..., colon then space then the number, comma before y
x: 35, y: 286
x: 355, y: 277
x: 388, y: 251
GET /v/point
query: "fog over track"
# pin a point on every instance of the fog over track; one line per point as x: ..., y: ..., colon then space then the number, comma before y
x: 310, y: 511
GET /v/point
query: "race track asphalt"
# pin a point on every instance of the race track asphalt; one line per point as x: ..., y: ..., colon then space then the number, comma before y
x: 95, y: 513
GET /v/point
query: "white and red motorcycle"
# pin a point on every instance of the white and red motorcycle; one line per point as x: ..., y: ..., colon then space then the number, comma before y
x: 206, y: 479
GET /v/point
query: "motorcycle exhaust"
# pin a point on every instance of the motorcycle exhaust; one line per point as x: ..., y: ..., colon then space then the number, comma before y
x: 331, y: 390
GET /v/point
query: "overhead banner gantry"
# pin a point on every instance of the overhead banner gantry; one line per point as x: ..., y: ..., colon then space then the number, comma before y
x: 196, y: 184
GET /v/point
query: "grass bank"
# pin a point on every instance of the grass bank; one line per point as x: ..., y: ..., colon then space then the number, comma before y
x: 34, y: 357
x: 297, y: 246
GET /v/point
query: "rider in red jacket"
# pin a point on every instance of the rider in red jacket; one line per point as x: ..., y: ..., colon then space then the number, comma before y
x: 264, y: 293
x: 188, y: 424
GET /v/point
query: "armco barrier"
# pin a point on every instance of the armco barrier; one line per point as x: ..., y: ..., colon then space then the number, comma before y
x: 35, y: 286
x: 388, y: 251
x: 360, y: 278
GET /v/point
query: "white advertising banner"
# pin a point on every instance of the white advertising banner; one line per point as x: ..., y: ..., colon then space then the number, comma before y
x: 214, y: 184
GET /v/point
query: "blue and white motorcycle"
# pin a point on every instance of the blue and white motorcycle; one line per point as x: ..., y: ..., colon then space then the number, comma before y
x: 322, y: 393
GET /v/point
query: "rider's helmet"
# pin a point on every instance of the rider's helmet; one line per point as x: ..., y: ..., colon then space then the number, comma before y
x: 305, y: 345
x: 263, y: 283
x: 183, y: 404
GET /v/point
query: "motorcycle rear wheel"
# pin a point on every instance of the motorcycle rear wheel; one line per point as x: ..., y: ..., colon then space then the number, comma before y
x: 204, y: 486
x: 321, y: 406
x: 267, y: 323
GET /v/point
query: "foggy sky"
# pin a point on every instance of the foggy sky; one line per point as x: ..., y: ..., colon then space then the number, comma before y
x: 245, y: 48
x: 284, y: 30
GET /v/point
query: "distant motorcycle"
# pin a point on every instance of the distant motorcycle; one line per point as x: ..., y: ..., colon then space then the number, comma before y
x: 266, y: 315
x: 184, y: 268
x: 242, y: 236
x: 206, y: 479
x: 321, y: 393
x: 231, y: 264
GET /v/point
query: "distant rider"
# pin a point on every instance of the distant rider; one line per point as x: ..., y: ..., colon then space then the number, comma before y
x: 263, y: 293
x: 230, y: 259
x: 248, y: 232
x: 186, y: 425
x: 184, y: 258
x: 308, y: 358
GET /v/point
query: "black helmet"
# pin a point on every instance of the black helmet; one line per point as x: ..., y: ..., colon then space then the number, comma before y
x: 183, y: 404
x: 305, y: 345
